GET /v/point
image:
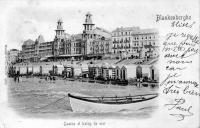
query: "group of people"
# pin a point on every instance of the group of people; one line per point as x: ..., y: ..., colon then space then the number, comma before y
x: 51, y: 78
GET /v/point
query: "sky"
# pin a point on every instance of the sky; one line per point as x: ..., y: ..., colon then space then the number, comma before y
x: 27, y: 19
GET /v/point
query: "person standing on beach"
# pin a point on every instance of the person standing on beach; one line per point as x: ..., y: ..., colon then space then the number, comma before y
x: 18, y: 76
x: 15, y: 77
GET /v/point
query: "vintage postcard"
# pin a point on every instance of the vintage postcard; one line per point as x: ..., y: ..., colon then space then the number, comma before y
x: 99, y: 64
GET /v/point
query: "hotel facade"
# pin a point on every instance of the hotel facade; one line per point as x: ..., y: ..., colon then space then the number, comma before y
x: 134, y: 42
x: 128, y: 42
x: 93, y: 41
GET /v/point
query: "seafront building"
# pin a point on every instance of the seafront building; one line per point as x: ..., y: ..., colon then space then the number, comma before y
x: 93, y: 42
x: 122, y: 39
x: 127, y: 55
x: 11, y: 55
x: 133, y: 42
x: 98, y: 40
x: 11, y: 58
x: 145, y: 43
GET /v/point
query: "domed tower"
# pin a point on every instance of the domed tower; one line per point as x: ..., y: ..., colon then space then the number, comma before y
x: 59, y: 38
x: 60, y: 32
x: 88, y: 25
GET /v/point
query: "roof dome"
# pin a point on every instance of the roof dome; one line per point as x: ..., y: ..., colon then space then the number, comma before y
x: 29, y: 42
x: 88, y: 13
x: 60, y: 20
x: 40, y: 39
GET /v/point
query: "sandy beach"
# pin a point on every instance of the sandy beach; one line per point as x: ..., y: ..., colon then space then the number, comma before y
x: 38, y: 98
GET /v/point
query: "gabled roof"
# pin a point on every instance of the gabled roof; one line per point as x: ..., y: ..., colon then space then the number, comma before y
x: 102, y: 32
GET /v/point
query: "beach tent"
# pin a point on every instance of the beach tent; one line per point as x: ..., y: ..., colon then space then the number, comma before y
x: 84, y: 69
x: 145, y: 71
x: 111, y: 71
x: 154, y: 73
x: 138, y: 72
x: 128, y: 72
x: 105, y: 70
x: 23, y: 70
x: 153, y: 69
x: 76, y: 70
x: 58, y: 69
x: 29, y: 69
x: 36, y: 69
x: 68, y: 70
x: 46, y: 68
x: 97, y: 70
x: 91, y: 71
x: 117, y: 72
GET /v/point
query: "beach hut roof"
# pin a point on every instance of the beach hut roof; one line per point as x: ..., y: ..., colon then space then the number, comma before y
x: 112, y: 66
x: 152, y: 66
x: 91, y: 65
x: 118, y: 66
x: 76, y: 66
x: 97, y: 65
x: 84, y: 65
x: 106, y: 65
x: 150, y: 62
x: 68, y: 65
x: 129, y: 66
x: 59, y: 66
x: 145, y: 66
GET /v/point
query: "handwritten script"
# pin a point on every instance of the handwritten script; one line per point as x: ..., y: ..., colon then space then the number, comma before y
x: 178, y: 50
x: 182, y: 111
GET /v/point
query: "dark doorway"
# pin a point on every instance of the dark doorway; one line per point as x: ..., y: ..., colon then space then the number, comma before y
x: 40, y: 69
x: 139, y: 72
x: 152, y: 74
